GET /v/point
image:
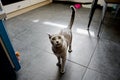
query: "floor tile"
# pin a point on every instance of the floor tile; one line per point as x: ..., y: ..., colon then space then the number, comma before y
x: 106, y: 59
x: 16, y: 26
x: 94, y: 75
x: 83, y: 47
x: 111, y: 30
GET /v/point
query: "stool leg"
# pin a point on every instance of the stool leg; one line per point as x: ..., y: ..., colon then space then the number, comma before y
x: 116, y: 12
x: 92, y: 12
x: 102, y: 19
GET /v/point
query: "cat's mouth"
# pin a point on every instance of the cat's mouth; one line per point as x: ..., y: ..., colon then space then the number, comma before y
x: 58, y: 45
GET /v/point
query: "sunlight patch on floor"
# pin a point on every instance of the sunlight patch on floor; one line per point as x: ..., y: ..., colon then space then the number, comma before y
x: 85, y: 32
x: 78, y: 30
x: 55, y: 24
x: 36, y: 20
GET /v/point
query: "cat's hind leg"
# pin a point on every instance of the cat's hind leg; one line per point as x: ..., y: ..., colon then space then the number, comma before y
x: 70, y: 50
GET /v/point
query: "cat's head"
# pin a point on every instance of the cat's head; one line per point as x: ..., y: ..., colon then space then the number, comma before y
x: 56, y: 40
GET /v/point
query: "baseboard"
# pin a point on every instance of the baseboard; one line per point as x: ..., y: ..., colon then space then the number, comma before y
x: 71, y: 2
x: 24, y: 10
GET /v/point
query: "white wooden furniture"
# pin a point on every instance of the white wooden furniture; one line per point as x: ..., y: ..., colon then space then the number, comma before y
x: 99, y: 1
x: 23, y: 6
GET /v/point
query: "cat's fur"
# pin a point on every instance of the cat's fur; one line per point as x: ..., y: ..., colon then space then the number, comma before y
x: 61, y: 41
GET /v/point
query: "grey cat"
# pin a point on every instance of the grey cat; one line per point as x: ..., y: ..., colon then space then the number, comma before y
x: 61, y: 41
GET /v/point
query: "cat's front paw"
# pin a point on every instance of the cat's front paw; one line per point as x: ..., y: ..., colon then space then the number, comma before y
x: 62, y: 71
x: 69, y: 50
x: 58, y: 64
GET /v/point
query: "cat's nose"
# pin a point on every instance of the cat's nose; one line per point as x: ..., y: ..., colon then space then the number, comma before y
x: 57, y: 42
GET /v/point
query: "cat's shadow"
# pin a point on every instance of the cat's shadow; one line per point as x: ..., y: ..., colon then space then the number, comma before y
x: 59, y: 75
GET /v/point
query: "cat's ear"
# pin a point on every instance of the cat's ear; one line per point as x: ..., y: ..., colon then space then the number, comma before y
x: 49, y: 35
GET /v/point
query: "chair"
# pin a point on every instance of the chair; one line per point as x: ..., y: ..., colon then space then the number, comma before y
x: 94, y: 4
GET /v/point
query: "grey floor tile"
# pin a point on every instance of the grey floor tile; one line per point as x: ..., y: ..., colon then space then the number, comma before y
x: 37, y: 64
x: 73, y: 71
x: 18, y: 45
x: 83, y: 47
x: 94, y: 75
x: 16, y: 26
x: 111, y: 30
x: 106, y: 59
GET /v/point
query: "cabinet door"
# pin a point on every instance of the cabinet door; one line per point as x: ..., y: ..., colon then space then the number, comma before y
x: 19, y: 5
x: 16, y: 6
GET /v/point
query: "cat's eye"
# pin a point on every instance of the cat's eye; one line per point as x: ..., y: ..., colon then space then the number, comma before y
x: 53, y: 38
x: 59, y: 37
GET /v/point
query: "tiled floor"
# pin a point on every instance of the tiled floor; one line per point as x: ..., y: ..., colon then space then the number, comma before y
x: 91, y: 59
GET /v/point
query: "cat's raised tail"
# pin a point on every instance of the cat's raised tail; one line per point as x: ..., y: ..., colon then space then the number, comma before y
x: 72, y: 16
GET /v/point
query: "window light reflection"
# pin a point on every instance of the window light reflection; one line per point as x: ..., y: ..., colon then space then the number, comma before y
x: 78, y: 30
x: 36, y: 20
x: 55, y: 24
x: 85, y: 32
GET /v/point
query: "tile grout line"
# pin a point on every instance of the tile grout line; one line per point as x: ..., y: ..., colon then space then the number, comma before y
x: 90, y: 60
x: 84, y: 66
x: 76, y: 63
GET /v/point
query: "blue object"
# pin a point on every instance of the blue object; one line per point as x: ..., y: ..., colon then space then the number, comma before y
x: 5, y: 38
